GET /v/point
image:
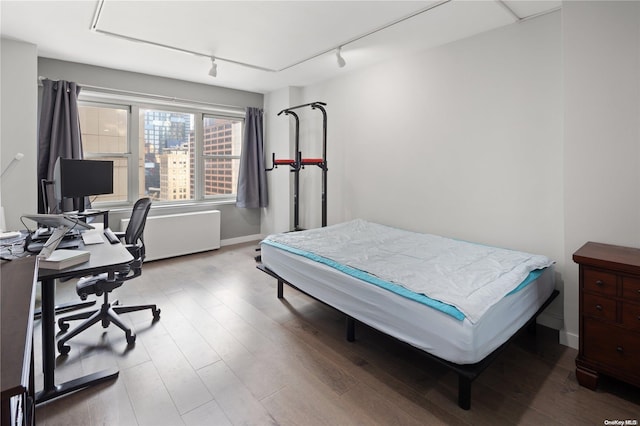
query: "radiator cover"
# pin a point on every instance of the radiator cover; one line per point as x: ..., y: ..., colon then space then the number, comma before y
x: 179, y: 234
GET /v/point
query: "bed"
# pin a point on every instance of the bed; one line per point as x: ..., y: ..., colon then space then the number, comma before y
x: 408, y: 285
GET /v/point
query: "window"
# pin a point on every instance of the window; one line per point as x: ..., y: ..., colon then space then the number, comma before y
x: 168, y: 154
x: 221, y: 152
x: 105, y: 132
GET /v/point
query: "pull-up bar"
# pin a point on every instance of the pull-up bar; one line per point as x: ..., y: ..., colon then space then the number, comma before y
x: 299, y: 162
x: 312, y: 105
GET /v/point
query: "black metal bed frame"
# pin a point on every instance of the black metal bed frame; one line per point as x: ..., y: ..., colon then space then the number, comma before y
x: 466, y: 372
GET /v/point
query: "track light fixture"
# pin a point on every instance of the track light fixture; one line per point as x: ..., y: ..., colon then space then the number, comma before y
x: 213, y: 72
x: 339, y: 58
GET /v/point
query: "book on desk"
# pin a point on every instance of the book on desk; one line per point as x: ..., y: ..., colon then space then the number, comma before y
x: 63, y: 258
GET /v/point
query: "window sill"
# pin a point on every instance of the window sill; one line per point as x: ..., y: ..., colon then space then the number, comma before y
x: 169, y: 207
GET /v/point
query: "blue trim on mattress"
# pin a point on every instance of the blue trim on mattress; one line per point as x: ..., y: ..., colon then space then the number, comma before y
x: 533, y: 275
x: 402, y: 291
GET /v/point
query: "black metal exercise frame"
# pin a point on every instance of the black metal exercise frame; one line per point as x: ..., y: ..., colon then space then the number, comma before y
x: 299, y: 162
x: 466, y: 372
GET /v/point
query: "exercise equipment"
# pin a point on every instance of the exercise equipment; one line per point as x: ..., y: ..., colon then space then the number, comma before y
x: 299, y: 162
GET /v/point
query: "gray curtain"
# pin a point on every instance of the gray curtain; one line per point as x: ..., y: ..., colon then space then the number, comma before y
x: 59, y: 136
x: 252, y: 177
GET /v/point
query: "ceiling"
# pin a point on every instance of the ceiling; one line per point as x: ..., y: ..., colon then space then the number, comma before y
x: 259, y: 46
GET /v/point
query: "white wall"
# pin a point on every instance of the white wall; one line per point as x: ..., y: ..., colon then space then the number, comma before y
x: 464, y: 140
x: 18, y: 115
x: 601, y: 44
x: 279, y: 139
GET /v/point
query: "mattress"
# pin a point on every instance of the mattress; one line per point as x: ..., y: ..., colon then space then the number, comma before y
x: 426, y: 328
x: 459, y: 277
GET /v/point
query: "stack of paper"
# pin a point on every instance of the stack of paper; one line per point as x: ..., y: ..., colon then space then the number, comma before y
x: 62, y: 258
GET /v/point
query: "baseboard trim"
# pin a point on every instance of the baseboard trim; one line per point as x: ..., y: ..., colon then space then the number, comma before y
x: 550, y: 320
x: 240, y: 240
x: 569, y: 339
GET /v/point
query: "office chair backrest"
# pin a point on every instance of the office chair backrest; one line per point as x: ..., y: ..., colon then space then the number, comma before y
x: 135, y: 229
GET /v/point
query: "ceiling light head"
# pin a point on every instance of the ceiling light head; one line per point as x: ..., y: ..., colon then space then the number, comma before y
x: 339, y: 58
x: 213, y: 72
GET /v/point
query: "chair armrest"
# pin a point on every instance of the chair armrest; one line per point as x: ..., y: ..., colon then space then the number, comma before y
x: 120, y: 234
x: 137, y: 251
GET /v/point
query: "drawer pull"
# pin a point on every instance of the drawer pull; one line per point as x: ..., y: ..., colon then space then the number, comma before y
x: 599, y: 307
x: 599, y: 283
x: 620, y: 349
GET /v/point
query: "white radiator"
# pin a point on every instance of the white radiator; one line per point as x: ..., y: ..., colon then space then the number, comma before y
x: 179, y: 234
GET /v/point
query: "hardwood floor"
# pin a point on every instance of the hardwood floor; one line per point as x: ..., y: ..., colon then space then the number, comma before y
x: 226, y: 351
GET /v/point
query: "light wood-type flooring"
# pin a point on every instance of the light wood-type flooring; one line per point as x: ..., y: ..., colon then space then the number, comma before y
x: 226, y: 351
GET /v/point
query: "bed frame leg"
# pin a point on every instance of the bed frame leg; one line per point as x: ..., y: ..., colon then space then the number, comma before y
x: 280, y: 291
x: 351, y: 329
x: 464, y: 392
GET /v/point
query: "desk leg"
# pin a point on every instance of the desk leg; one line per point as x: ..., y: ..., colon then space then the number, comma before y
x: 48, y: 333
x: 51, y: 390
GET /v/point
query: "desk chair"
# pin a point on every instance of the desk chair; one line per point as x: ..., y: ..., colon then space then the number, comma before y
x: 104, y: 284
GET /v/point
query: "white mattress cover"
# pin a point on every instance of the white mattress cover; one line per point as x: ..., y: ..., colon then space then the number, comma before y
x: 423, y: 327
x: 468, y: 276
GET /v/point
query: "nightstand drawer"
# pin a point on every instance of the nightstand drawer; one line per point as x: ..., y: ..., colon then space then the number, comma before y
x: 611, y: 346
x: 599, y: 307
x: 598, y: 281
x: 631, y: 316
x: 631, y: 288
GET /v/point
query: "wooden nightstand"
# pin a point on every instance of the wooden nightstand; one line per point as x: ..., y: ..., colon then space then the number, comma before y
x: 609, y: 313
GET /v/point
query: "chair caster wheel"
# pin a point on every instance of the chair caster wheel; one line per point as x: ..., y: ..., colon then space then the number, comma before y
x: 156, y: 315
x: 63, y: 326
x: 105, y: 323
x: 63, y: 349
x: 131, y: 339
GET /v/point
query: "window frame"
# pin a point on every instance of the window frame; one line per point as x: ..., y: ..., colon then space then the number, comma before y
x: 133, y: 104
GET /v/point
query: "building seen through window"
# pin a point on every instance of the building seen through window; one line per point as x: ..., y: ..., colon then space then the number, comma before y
x: 221, y: 152
x: 164, y: 140
x: 104, y: 132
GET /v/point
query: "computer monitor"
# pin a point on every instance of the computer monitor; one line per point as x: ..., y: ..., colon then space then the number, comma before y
x: 82, y: 178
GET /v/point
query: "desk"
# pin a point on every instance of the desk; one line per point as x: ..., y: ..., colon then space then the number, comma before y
x: 18, y: 299
x: 104, y: 258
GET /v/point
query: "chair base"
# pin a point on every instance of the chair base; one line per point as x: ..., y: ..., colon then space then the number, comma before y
x: 107, y: 314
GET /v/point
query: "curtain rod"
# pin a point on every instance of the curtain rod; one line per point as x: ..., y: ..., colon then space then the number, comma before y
x: 148, y: 95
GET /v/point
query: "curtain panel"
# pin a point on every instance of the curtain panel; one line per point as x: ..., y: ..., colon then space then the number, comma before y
x: 59, y: 136
x: 252, y: 177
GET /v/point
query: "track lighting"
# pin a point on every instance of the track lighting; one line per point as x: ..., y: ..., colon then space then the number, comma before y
x: 213, y: 72
x: 339, y: 58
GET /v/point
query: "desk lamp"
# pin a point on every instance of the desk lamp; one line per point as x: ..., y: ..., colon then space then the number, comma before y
x: 19, y: 156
